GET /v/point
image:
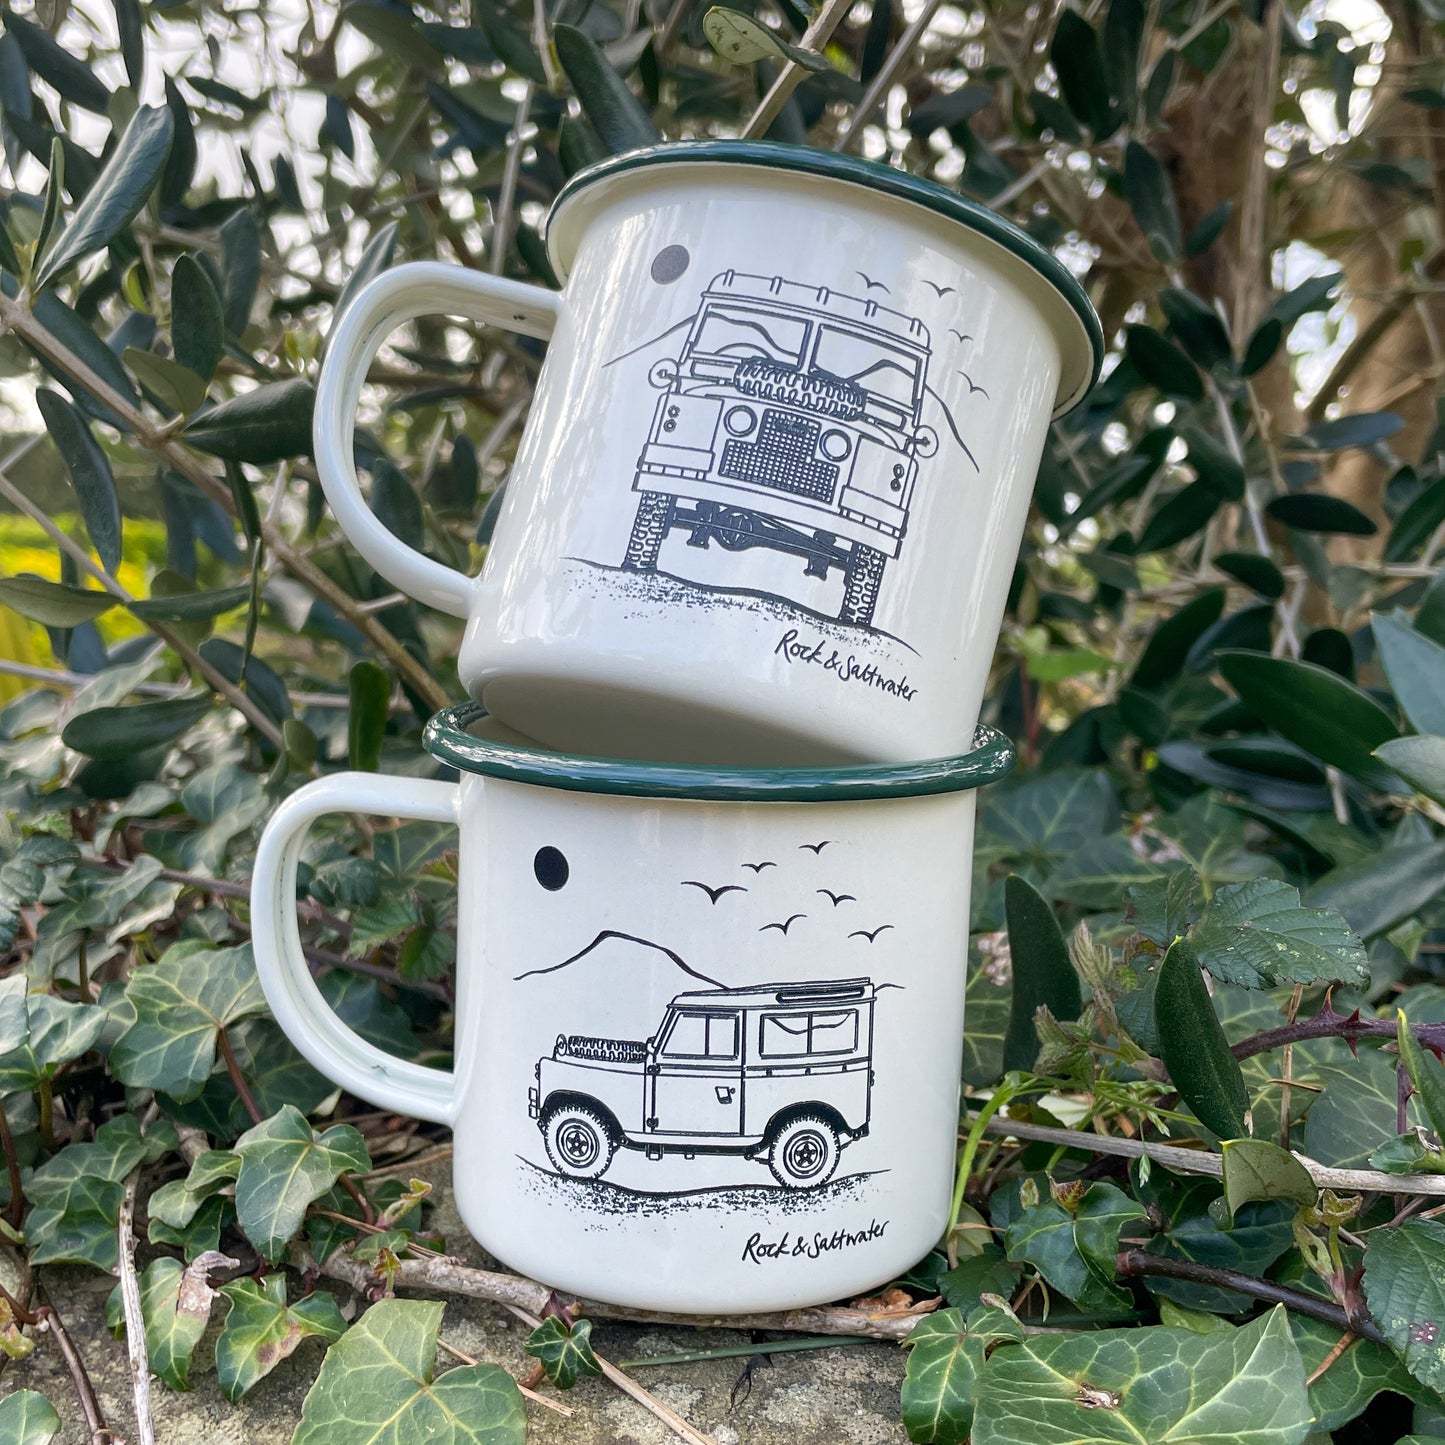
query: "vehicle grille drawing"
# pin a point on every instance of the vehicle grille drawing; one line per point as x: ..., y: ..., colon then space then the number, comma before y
x: 781, y: 1073
x: 792, y: 419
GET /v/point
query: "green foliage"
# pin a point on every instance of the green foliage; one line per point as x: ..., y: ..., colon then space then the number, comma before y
x: 1405, y: 1287
x: 565, y: 1350
x: 262, y: 1330
x: 28, y: 1418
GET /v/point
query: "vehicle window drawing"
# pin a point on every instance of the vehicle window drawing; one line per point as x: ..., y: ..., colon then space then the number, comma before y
x: 750, y: 334
x: 702, y: 1036
x: 880, y: 370
x: 795, y: 1034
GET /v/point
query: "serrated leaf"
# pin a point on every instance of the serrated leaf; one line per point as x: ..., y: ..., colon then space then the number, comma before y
x: 1043, y: 976
x: 616, y: 114
x: 564, y: 1350
x: 198, y: 325
x: 1258, y: 934
x: 90, y: 473
x: 117, y: 194
x: 1405, y: 1289
x: 285, y: 1165
x: 1194, y: 1048
x: 369, y: 689
x: 266, y: 424
x: 108, y: 733
x: 28, y: 1418
x: 261, y: 1330
x: 1315, y: 709
x: 1163, y: 908
x: 180, y: 1003
x: 1257, y: 1169
x: 53, y: 603
x: 1164, y: 1386
x: 742, y: 40
x: 378, y: 1386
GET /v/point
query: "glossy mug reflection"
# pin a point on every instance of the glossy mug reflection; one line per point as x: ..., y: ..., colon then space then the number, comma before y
x: 708, y: 1023
x: 771, y: 490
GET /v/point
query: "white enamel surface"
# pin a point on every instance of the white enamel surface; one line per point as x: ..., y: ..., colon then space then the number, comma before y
x: 722, y: 655
x: 677, y: 1233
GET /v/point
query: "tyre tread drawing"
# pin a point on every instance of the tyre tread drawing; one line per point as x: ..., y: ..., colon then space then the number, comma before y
x: 654, y: 516
x: 860, y: 591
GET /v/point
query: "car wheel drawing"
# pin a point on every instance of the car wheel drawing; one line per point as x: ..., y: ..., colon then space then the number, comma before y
x: 804, y: 1152
x: 579, y: 1140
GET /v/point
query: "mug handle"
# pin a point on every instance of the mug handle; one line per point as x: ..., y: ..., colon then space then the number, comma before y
x: 304, y: 1015
x: 419, y: 288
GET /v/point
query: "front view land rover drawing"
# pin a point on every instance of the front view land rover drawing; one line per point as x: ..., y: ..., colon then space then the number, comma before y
x: 781, y: 1073
x: 792, y: 419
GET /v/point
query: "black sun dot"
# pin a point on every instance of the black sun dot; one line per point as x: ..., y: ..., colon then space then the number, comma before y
x: 669, y: 264
x: 550, y: 866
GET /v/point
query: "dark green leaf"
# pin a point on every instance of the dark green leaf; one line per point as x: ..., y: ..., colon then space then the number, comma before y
x: 378, y: 1384
x: 1256, y: 572
x: 1357, y: 1108
x: 1384, y: 888
x: 1196, y: 327
x: 28, y: 1418
x: 1319, y: 512
x: 948, y: 108
x: 108, y: 733
x: 1425, y: 1074
x: 1206, y: 232
x: 261, y: 683
x: 1168, y: 646
x: 71, y: 76
x: 1187, y: 512
x: 1416, y: 524
x: 175, y: 1304
x: 1070, y: 1249
x: 1315, y: 709
x: 1405, y: 1287
x: 944, y: 1358
x: 393, y: 32
x: 616, y: 114
x: 1361, y: 429
x: 1162, y: 364
x: 1123, y: 41
x: 1257, y: 1169
x: 1043, y: 976
x: 198, y: 327
x: 1163, y: 908
x: 189, y: 605
x: 54, y: 189
x: 1079, y: 64
x: 171, y: 385
x: 131, y: 27
x: 1262, y: 345
x: 262, y: 1330
x: 374, y: 259
x: 1415, y: 666
x: 564, y: 1350
x: 1151, y: 198
x: 1352, y: 1379
x: 1194, y: 1048
x: 90, y: 474
x: 118, y: 193
x: 240, y: 268
x: 512, y: 47
x: 395, y: 502
x: 1214, y: 464
x: 1419, y: 760
x: 370, y: 700
x: 266, y: 424
x: 53, y: 603
x: 1316, y: 294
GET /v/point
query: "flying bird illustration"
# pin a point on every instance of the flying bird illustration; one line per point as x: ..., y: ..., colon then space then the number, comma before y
x: 870, y: 283
x: 864, y: 933
x: 816, y: 847
x: 784, y: 926
x: 758, y: 867
x: 942, y: 290
x: 973, y: 386
x: 714, y: 893
x: 954, y: 331
x: 838, y: 897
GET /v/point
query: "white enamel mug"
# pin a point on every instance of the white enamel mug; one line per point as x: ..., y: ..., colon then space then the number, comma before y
x: 770, y: 495
x: 709, y: 1022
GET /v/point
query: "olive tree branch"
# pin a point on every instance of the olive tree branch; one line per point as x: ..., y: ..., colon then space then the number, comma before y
x: 815, y: 37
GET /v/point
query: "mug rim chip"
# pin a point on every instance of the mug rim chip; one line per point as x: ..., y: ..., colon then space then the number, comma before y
x: 447, y: 738
x: 871, y: 175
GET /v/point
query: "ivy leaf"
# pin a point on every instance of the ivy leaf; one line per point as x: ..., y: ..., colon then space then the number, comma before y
x: 1257, y: 1169
x: 116, y: 195
x: 266, y: 424
x: 285, y: 1165
x: 180, y: 1003
x: 1405, y: 1289
x: 616, y: 114
x: 56, y: 1032
x: 1353, y: 1379
x: 1171, y: 1386
x: 1193, y: 1046
x: 175, y: 1303
x: 1043, y: 976
x: 564, y: 1350
x: 108, y: 733
x: 27, y: 1417
x: 1258, y: 935
x: 1358, y: 1109
x: 945, y: 1355
x: 377, y: 1384
x: 1074, y: 1250
x: 261, y: 1330
x: 90, y: 473
x: 53, y: 603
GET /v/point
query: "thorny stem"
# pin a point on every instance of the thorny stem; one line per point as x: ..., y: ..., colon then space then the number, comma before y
x: 1136, y: 1264
x: 1327, y: 1024
x: 100, y: 1432
x: 243, y: 1089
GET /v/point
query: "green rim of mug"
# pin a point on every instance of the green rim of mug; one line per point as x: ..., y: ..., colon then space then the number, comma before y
x: 874, y: 176
x: 448, y: 737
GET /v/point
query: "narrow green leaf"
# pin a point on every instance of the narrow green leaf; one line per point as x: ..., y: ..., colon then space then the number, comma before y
x: 1196, y: 327
x: 189, y: 605
x: 370, y: 699
x: 1214, y: 464
x: 1257, y: 1169
x: 1163, y: 364
x: 1361, y: 429
x: 1042, y: 972
x: 1151, y: 198
x: 1419, y: 760
x: 1415, y: 665
x: 1427, y: 1078
x: 1319, y: 512
x: 1169, y: 644
x: 54, y: 189
x: 130, y: 25
x: 1194, y: 1048
x: 1079, y: 64
x: 616, y: 114
x: 395, y: 502
x: 1316, y: 709
x: 1262, y: 345
x: 198, y: 325
x: 1209, y: 227
x: 378, y: 1383
x: 109, y: 733
x: 52, y: 603
x: 90, y: 474
x: 71, y: 76
x: 116, y: 197
x: 1256, y: 572
x: 511, y: 45
x: 375, y: 257
x: 174, y: 386
x: 240, y: 268
x: 263, y: 425
x: 1179, y: 517
x: 1416, y: 524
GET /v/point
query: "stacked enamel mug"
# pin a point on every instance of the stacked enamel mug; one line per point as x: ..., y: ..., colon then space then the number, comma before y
x: 727, y: 653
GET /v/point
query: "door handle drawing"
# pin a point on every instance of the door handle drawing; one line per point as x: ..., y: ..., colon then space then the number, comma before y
x: 724, y: 1094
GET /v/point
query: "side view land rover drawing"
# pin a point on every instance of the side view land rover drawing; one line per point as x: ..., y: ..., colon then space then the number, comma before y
x: 781, y: 1073
x: 792, y: 419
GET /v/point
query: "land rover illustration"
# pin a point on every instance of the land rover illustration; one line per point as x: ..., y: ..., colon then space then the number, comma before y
x: 779, y: 1072
x: 792, y: 419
